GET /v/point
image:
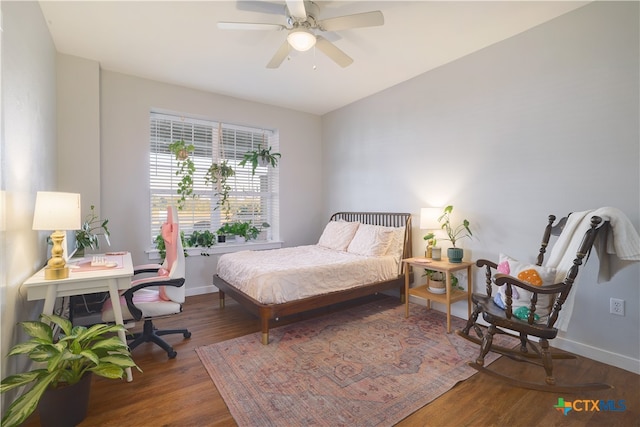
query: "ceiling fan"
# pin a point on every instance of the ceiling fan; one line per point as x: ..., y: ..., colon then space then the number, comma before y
x: 302, y: 23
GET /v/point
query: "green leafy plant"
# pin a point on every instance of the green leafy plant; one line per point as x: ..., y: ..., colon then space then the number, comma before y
x: 439, y: 277
x: 185, y: 168
x: 204, y: 239
x: 431, y: 238
x: 242, y: 229
x: 78, y: 351
x: 218, y: 174
x: 91, y: 229
x: 262, y: 156
x: 454, y: 233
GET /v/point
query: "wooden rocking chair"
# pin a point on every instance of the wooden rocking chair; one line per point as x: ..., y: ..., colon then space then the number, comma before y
x: 504, y: 321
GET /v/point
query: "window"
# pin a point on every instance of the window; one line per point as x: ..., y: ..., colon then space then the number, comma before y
x: 252, y: 198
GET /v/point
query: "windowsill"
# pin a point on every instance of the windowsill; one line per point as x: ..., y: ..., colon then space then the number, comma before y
x: 224, y: 248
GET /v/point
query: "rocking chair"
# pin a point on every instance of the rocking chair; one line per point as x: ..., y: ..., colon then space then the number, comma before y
x: 504, y: 317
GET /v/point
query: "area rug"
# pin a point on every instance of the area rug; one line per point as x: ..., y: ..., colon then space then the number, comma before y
x: 364, y: 366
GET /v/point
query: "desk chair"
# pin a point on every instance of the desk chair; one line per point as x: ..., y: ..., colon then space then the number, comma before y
x: 164, y: 299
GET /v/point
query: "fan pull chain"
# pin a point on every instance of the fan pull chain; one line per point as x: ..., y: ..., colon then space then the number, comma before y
x: 314, y: 59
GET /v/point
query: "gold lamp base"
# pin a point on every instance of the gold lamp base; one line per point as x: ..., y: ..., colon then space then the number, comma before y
x: 56, y: 273
x: 56, y: 267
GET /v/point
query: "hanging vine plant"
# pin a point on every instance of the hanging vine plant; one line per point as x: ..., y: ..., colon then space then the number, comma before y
x: 262, y: 157
x: 185, y: 168
x: 218, y: 174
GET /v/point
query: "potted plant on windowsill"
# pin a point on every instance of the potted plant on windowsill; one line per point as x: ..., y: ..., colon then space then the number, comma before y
x: 262, y: 157
x: 70, y: 360
x: 91, y: 229
x: 454, y: 233
x: 243, y: 230
x: 203, y: 239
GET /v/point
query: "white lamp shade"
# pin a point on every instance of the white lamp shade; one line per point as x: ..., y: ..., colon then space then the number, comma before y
x: 429, y: 218
x: 301, y: 39
x: 57, y: 211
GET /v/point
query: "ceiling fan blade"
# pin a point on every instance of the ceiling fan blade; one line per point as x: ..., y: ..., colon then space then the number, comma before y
x: 281, y: 54
x: 366, y: 19
x: 260, y: 6
x: 332, y: 51
x: 249, y: 26
x: 296, y: 9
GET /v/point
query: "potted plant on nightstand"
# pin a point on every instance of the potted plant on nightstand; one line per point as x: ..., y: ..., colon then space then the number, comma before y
x: 454, y: 234
x: 68, y: 364
x: 262, y: 157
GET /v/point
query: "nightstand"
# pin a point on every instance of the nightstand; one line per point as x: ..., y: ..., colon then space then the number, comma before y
x: 447, y: 298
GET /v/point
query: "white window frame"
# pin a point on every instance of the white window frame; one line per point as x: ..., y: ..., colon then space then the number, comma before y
x: 253, y: 198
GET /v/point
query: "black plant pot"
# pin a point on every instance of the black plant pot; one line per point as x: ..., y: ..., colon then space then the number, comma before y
x: 222, y: 238
x: 65, y: 406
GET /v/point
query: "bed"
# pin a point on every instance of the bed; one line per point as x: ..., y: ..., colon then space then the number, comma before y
x: 351, y: 267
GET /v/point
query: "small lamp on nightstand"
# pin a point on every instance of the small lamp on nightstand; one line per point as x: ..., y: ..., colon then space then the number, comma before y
x: 429, y: 221
x: 58, y: 212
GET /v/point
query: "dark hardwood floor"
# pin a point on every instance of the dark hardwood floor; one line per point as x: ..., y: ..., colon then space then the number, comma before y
x: 179, y: 392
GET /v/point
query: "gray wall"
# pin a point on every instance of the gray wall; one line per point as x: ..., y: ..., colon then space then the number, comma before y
x: 544, y: 122
x: 28, y: 162
x: 124, y: 153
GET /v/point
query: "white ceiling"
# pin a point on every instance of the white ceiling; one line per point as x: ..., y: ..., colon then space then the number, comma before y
x: 178, y: 42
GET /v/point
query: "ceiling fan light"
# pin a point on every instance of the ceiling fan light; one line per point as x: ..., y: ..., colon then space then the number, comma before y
x: 301, y: 39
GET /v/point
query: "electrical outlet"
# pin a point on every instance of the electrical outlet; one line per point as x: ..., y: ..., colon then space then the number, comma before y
x: 616, y: 306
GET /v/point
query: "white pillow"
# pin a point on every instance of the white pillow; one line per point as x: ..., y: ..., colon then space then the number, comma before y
x: 338, y: 234
x: 531, y: 274
x: 371, y: 240
x: 396, y: 248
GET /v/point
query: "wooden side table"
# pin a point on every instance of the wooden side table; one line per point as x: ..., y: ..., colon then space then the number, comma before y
x: 447, y: 298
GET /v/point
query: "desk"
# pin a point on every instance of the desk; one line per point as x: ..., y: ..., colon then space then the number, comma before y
x: 85, y: 282
x: 450, y: 296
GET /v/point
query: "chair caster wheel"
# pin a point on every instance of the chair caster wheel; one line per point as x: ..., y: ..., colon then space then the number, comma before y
x: 187, y: 334
x: 172, y: 354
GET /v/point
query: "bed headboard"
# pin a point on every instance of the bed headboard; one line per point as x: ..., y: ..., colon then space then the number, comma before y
x: 387, y: 219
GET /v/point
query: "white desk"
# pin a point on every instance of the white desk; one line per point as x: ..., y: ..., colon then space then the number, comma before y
x: 82, y: 281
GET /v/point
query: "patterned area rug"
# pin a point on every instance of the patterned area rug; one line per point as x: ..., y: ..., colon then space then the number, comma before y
x: 367, y: 366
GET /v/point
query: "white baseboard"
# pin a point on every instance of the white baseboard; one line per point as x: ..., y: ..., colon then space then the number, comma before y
x: 206, y: 289
x: 614, y: 359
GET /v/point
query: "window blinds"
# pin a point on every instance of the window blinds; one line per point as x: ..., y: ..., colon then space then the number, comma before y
x: 252, y: 198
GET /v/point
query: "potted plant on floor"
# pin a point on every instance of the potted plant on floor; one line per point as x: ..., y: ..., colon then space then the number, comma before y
x: 89, y: 234
x: 68, y: 362
x: 454, y: 234
x: 262, y: 157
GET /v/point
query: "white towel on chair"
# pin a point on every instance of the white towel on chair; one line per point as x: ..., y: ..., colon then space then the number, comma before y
x: 617, y: 246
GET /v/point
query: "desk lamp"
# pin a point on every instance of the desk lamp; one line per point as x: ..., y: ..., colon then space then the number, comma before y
x: 58, y: 212
x: 429, y: 221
